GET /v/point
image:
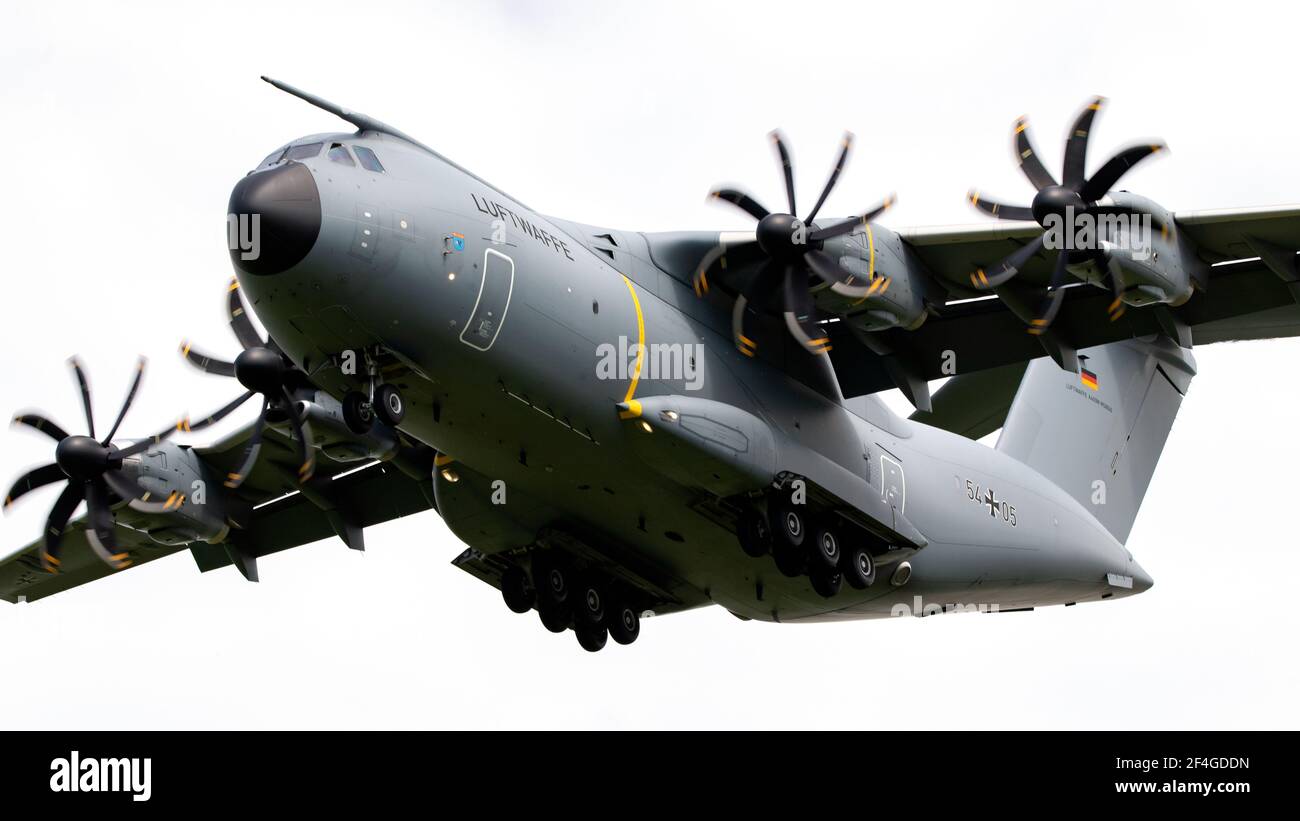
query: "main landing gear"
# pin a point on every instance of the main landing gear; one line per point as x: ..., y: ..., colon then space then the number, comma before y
x: 806, y: 542
x: 596, y: 608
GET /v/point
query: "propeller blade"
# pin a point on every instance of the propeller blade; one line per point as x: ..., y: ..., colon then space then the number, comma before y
x: 306, y: 451
x: 148, y: 442
x: 237, y: 477
x: 725, y: 257
x: 1076, y: 147
x: 1008, y: 268
x: 741, y: 200
x: 126, y: 403
x: 759, y: 290
x: 1033, y: 168
x: 57, y: 522
x: 848, y: 225
x: 33, y: 479
x: 787, y: 168
x: 102, y: 533
x: 137, y: 497
x: 40, y: 423
x: 239, y: 321
x: 1115, y: 168
x: 85, y: 393
x: 827, y: 269
x: 205, y: 363
x: 997, y: 209
x: 1056, y: 294
x: 799, y: 312
x: 845, y: 145
x: 214, y: 418
x: 744, y: 344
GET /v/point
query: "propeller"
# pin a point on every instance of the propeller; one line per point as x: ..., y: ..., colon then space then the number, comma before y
x: 92, y: 471
x: 262, y: 369
x: 1076, y: 194
x: 792, y: 256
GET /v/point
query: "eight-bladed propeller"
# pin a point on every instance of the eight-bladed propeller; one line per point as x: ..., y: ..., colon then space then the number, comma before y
x: 1075, y: 195
x: 262, y: 369
x: 93, y: 472
x: 792, y: 257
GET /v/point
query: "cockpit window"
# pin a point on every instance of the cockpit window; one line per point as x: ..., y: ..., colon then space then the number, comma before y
x: 339, y: 153
x: 368, y: 159
x: 274, y: 156
x: 301, y: 152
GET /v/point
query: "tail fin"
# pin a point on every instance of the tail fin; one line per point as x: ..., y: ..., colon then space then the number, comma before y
x: 1098, y: 433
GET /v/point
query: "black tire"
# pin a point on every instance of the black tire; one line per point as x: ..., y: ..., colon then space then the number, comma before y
x: 790, y: 561
x: 589, y: 604
x: 390, y: 407
x: 554, y: 618
x: 517, y: 592
x: 859, y: 567
x: 357, y: 412
x: 825, y: 547
x: 826, y: 582
x: 591, y: 638
x: 551, y: 580
x: 754, y: 532
x: 624, y: 623
x: 789, y: 523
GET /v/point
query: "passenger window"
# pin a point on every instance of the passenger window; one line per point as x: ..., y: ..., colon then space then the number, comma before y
x: 339, y: 153
x: 302, y: 152
x: 368, y: 159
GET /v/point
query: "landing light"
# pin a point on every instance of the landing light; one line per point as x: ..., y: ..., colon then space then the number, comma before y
x: 669, y: 415
x: 450, y: 475
x: 645, y: 426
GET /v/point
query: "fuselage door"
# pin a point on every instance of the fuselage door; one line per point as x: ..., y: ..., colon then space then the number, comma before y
x: 893, y: 485
x: 494, y: 292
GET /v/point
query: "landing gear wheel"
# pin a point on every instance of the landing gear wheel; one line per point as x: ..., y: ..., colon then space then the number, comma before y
x: 389, y: 405
x: 790, y: 561
x: 624, y: 624
x: 859, y: 567
x: 357, y: 412
x: 826, y: 582
x: 789, y: 523
x: 554, y: 618
x: 589, y: 607
x: 551, y: 580
x: 825, y: 549
x: 516, y: 591
x: 754, y: 532
x: 592, y: 639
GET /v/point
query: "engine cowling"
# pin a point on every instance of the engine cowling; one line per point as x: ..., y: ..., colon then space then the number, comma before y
x: 171, y: 471
x: 896, y: 282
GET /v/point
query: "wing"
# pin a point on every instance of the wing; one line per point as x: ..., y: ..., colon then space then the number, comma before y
x: 270, y: 512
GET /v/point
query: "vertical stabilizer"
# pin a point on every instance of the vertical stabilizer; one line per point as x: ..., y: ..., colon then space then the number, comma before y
x: 1098, y: 433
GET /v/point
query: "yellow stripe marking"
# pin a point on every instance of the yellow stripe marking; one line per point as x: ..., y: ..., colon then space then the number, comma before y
x: 640, y: 340
x: 234, y: 284
x: 442, y: 460
x: 633, y: 410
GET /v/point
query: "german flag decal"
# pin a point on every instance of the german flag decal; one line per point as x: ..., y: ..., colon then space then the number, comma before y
x: 1088, y: 378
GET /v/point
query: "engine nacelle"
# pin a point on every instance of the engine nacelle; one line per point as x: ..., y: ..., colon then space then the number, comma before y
x: 167, y: 468
x: 331, y: 434
x: 1149, y: 258
x: 895, y: 280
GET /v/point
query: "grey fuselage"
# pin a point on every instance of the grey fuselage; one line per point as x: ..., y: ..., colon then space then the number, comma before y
x: 522, y: 399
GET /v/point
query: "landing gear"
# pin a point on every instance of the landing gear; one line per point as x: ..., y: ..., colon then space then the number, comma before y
x: 789, y: 523
x: 754, y: 532
x: 589, y: 609
x: 591, y: 638
x: 859, y: 567
x: 825, y: 548
x: 389, y: 405
x: 357, y: 412
x: 517, y: 592
x: 551, y: 579
x: 624, y: 624
x: 554, y: 617
x: 826, y: 583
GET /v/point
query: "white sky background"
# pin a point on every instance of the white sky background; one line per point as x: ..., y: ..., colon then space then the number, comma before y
x: 126, y: 127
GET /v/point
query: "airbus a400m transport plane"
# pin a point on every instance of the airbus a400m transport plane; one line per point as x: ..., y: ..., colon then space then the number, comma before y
x: 618, y: 423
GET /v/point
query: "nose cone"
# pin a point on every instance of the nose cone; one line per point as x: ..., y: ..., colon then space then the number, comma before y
x: 273, y: 219
x: 1142, y: 580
